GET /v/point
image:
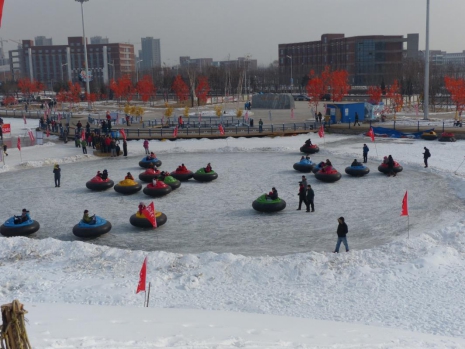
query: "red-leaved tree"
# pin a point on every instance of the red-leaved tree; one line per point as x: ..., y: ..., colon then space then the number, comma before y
x: 180, y: 88
x: 456, y: 88
x: 339, y: 84
x: 123, y: 88
x: 315, y: 89
x: 28, y: 87
x: 146, y: 88
x: 375, y: 94
x: 395, y: 97
x: 202, y: 89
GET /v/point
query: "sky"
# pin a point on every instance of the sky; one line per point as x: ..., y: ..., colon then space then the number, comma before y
x: 220, y: 29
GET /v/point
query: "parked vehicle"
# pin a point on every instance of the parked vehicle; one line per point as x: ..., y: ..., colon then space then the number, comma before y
x: 301, y: 98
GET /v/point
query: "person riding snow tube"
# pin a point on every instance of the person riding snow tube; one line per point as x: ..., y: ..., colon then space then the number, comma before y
x: 182, y: 174
x: 149, y: 175
x: 356, y: 169
x: 99, y: 184
x: 384, y: 168
x: 93, y: 229
x: 157, y: 190
x: 146, y: 161
x: 203, y: 176
x: 429, y: 136
x: 22, y: 227
x: 328, y: 176
x: 447, y: 137
x: 127, y: 187
x: 172, y: 182
x: 318, y: 167
x: 140, y: 221
x: 264, y: 204
x: 309, y: 149
x: 304, y: 165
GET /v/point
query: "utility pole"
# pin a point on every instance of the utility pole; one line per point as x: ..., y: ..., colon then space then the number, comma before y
x: 85, y: 51
x: 426, y: 91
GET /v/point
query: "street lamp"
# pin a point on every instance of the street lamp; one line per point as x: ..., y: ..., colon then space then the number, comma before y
x: 62, y: 71
x: 137, y: 69
x: 292, y: 80
x: 113, y: 65
x: 426, y: 91
x: 85, y: 48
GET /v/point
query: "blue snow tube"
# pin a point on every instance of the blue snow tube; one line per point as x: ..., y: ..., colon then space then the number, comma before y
x: 84, y: 230
x: 9, y: 228
x: 357, y: 171
x: 146, y: 163
x: 304, y: 166
x: 316, y: 168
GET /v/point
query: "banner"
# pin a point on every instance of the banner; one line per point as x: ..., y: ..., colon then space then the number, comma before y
x: 1, y: 11
x: 142, y: 277
x: 149, y: 213
x: 31, y: 135
x: 6, y: 128
x: 321, y: 131
x: 404, y: 211
x: 220, y: 127
x: 18, y: 144
x: 123, y: 134
x: 175, y: 131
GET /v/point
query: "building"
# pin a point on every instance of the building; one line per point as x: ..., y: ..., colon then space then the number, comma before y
x: 98, y: 40
x: 239, y: 63
x: 368, y: 59
x: 53, y: 63
x: 198, y: 63
x: 150, y: 54
x: 438, y: 57
x: 43, y: 41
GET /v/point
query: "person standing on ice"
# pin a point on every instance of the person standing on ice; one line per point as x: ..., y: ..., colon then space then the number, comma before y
x: 426, y: 156
x: 342, y: 231
x: 57, y: 175
x: 356, y: 119
x: 310, y: 198
x: 260, y: 125
x: 365, y: 153
x: 146, y: 146
x: 302, y: 195
x: 125, y: 148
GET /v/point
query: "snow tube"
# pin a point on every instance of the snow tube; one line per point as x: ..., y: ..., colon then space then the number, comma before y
x: 84, y: 230
x: 203, y: 176
x: 429, y: 136
x: 384, y: 168
x: 304, y: 166
x: 182, y: 175
x: 127, y: 187
x: 309, y: 149
x: 264, y: 205
x: 9, y: 228
x: 140, y: 221
x: 146, y: 163
x: 316, y: 168
x: 172, y: 182
x: 98, y: 184
x: 357, y: 171
x: 160, y: 189
x: 148, y: 175
x: 447, y: 137
x: 328, y: 177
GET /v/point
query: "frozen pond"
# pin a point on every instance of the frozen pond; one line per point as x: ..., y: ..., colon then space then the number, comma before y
x: 218, y: 216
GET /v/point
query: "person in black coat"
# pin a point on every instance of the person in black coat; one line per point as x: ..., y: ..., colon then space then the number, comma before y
x: 365, y: 153
x: 390, y: 164
x: 342, y: 231
x: 104, y: 174
x: 57, y: 175
x: 356, y: 119
x: 302, y: 196
x: 426, y: 156
x: 310, y: 197
x: 125, y: 148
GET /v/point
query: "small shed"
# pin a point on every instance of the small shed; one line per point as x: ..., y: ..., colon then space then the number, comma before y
x: 345, y: 111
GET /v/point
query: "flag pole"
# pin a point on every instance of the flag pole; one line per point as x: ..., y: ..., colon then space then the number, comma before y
x: 408, y: 229
x: 376, y: 149
x: 148, y: 296
x: 459, y: 166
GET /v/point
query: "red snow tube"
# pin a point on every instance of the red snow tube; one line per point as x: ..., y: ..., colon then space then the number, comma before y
x: 157, y: 190
x: 149, y: 175
x: 328, y: 176
x: 182, y: 175
x: 385, y: 169
x: 98, y: 184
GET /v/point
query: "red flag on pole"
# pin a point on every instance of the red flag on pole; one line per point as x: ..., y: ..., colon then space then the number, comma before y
x: 31, y: 135
x: 321, y: 131
x: 1, y: 11
x: 48, y: 132
x: 149, y: 213
x: 405, y: 205
x: 24, y: 118
x: 142, y: 277
x: 175, y: 132
x: 83, y: 135
x: 221, y: 128
x: 200, y: 117
x: 123, y: 134
x: 371, y: 134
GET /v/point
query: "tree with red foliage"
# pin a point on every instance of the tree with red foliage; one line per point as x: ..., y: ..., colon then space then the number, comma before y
x: 180, y: 88
x: 28, y: 87
x: 74, y: 92
x: 9, y: 100
x: 123, y: 88
x: 146, y: 88
x: 339, y: 84
x: 91, y: 98
x: 395, y: 97
x: 375, y: 94
x: 456, y: 88
x: 202, y: 89
x: 315, y: 90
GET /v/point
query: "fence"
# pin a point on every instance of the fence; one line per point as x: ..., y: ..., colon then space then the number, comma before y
x: 410, y: 125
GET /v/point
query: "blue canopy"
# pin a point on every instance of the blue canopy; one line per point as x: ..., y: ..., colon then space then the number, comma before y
x: 381, y: 131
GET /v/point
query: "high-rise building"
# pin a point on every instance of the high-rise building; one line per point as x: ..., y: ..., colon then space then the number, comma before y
x: 43, y: 41
x: 368, y: 59
x: 98, y: 40
x: 150, y: 53
x: 53, y: 63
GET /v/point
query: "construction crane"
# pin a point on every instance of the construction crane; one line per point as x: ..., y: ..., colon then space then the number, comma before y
x: 2, y: 58
x: 20, y: 44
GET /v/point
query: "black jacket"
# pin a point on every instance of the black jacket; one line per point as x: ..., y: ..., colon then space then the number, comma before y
x: 426, y: 154
x: 342, y: 230
x: 310, y: 194
x: 57, y: 172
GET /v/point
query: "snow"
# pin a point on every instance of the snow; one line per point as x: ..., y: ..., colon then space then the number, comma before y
x: 224, y: 276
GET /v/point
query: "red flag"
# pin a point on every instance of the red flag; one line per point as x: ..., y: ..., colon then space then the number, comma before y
x: 83, y: 135
x: 18, y: 144
x: 405, y: 205
x: 175, y: 132
x: 149, y: 213
x: 142, y: 277
x: 321, y: 131
x: 31, y: 135
x: 371, y: 134
x: 220, y: 127
x: 48, y: 132
x: 123, y: 134
x: 24, y: 118
x: 1, y: 11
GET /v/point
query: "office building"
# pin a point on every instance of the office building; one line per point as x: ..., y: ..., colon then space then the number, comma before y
x: 98, y: 40
x: 43, y: 41
x: 150, y: 55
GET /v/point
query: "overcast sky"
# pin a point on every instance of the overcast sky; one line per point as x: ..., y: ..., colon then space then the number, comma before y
x: 218, y: 28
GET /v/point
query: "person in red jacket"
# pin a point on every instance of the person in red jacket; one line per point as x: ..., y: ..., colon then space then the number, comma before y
x: 107, y: 144
x: 183, y: 168
x: 141, y: 207
x: 208, y: 168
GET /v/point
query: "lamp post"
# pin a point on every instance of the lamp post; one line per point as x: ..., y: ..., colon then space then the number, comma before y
x: 113, y: 68
x: 137, y: 70
x: 85, y: 48
x: 426, y: 91
x: 292, y: 80
x: 61, y: 71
